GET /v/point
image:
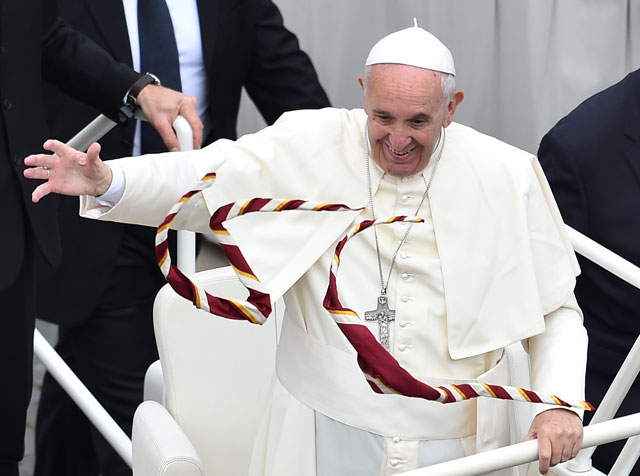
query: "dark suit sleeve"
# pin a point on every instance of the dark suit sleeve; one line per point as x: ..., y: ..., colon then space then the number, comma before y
x: 81, y: 68
x: 565, y: 180
x: 281, y: 77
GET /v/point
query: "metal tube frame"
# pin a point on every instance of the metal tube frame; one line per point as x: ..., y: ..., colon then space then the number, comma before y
x: 629, y: 369
x: 526, y: 452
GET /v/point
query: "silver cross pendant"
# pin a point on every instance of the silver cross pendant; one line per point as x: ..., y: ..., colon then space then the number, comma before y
x: 384, y: 316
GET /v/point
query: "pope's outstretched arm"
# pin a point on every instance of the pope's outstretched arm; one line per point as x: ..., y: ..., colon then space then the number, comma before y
x: 68, y: 171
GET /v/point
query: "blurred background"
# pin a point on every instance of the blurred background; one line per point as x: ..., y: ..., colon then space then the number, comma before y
x: 523, y: 64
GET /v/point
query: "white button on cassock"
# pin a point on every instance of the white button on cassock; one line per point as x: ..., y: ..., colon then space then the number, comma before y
x: 404, y: 275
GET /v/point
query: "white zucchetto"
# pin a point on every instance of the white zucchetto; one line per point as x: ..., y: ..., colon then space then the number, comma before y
x: 413, y: 46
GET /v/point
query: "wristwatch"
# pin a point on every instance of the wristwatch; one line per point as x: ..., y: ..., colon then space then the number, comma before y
x: 134, y: 90
x: 128, y: 109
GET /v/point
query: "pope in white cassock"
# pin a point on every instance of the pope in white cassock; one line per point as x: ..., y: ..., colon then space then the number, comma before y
x: 490, y: 265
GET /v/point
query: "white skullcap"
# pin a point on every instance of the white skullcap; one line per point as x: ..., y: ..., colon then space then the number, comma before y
x: 414, y: 47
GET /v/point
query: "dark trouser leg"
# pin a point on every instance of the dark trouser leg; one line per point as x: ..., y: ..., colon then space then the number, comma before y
x: 17, y: 322
x: 116, y: 351
x: 63, y: 434
x: 110, y: 353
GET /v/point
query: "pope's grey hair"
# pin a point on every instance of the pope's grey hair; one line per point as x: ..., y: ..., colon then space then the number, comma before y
x: 447, y: 83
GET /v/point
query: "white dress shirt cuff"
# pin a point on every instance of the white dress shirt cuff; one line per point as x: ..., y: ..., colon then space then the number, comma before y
x: 116, y: 189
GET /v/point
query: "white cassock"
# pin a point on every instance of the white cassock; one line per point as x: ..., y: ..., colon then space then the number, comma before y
x: 490, y: 266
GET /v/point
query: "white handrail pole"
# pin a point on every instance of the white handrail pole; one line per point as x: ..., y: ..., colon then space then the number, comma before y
x: 184, y: 133
x: 611, y: 402
x: 83, y: 398
x: 186, y: 259
x: 526, y: 452
x: 604, y: 257
x: 627, y: 458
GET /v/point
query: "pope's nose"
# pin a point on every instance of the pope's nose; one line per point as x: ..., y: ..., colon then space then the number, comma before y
x: 399, y: 140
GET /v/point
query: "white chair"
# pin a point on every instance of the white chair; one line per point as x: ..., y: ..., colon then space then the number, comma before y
x: 216, y: 374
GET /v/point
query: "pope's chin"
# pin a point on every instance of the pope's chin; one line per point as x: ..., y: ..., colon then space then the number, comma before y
x: 404, y: 165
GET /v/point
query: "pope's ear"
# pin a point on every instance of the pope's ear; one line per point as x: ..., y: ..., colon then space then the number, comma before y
x: 456, y: 99
x: 364, y: 95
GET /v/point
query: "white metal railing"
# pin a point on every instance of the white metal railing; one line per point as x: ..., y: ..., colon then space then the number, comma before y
x: 85, y: 400
x: 55, y: 365
x: 627, y: 457
x: 186, y: 259
x: 629, y: 369
x: 526, y: 452
x: 91, y: 133
x: 604, y: 257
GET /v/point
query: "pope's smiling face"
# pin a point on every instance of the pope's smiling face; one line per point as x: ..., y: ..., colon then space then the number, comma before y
x: 406, y: 110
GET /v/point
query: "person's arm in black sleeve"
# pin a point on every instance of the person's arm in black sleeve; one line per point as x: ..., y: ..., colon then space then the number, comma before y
x: 81, y: 68
x: 282, y: 77
x: 563, y: 174
x: 85, y: 71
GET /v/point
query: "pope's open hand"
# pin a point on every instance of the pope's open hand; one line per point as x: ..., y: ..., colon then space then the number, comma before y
x: 68, y: 171
x: 559, y: 435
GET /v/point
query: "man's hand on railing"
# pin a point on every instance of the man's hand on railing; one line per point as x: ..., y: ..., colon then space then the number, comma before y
x: 161, y: 106
x: 559, y: 434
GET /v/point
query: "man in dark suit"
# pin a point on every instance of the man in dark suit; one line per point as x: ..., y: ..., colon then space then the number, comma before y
x: 35, y: 44
x: 592, y: 161
x: 102, y: 294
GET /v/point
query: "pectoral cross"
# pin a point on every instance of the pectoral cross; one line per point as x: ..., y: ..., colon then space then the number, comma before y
x: 384, y: 316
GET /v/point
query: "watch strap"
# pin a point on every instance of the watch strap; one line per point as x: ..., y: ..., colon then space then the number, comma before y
x: 128, y: 109
x: 139, y: 85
